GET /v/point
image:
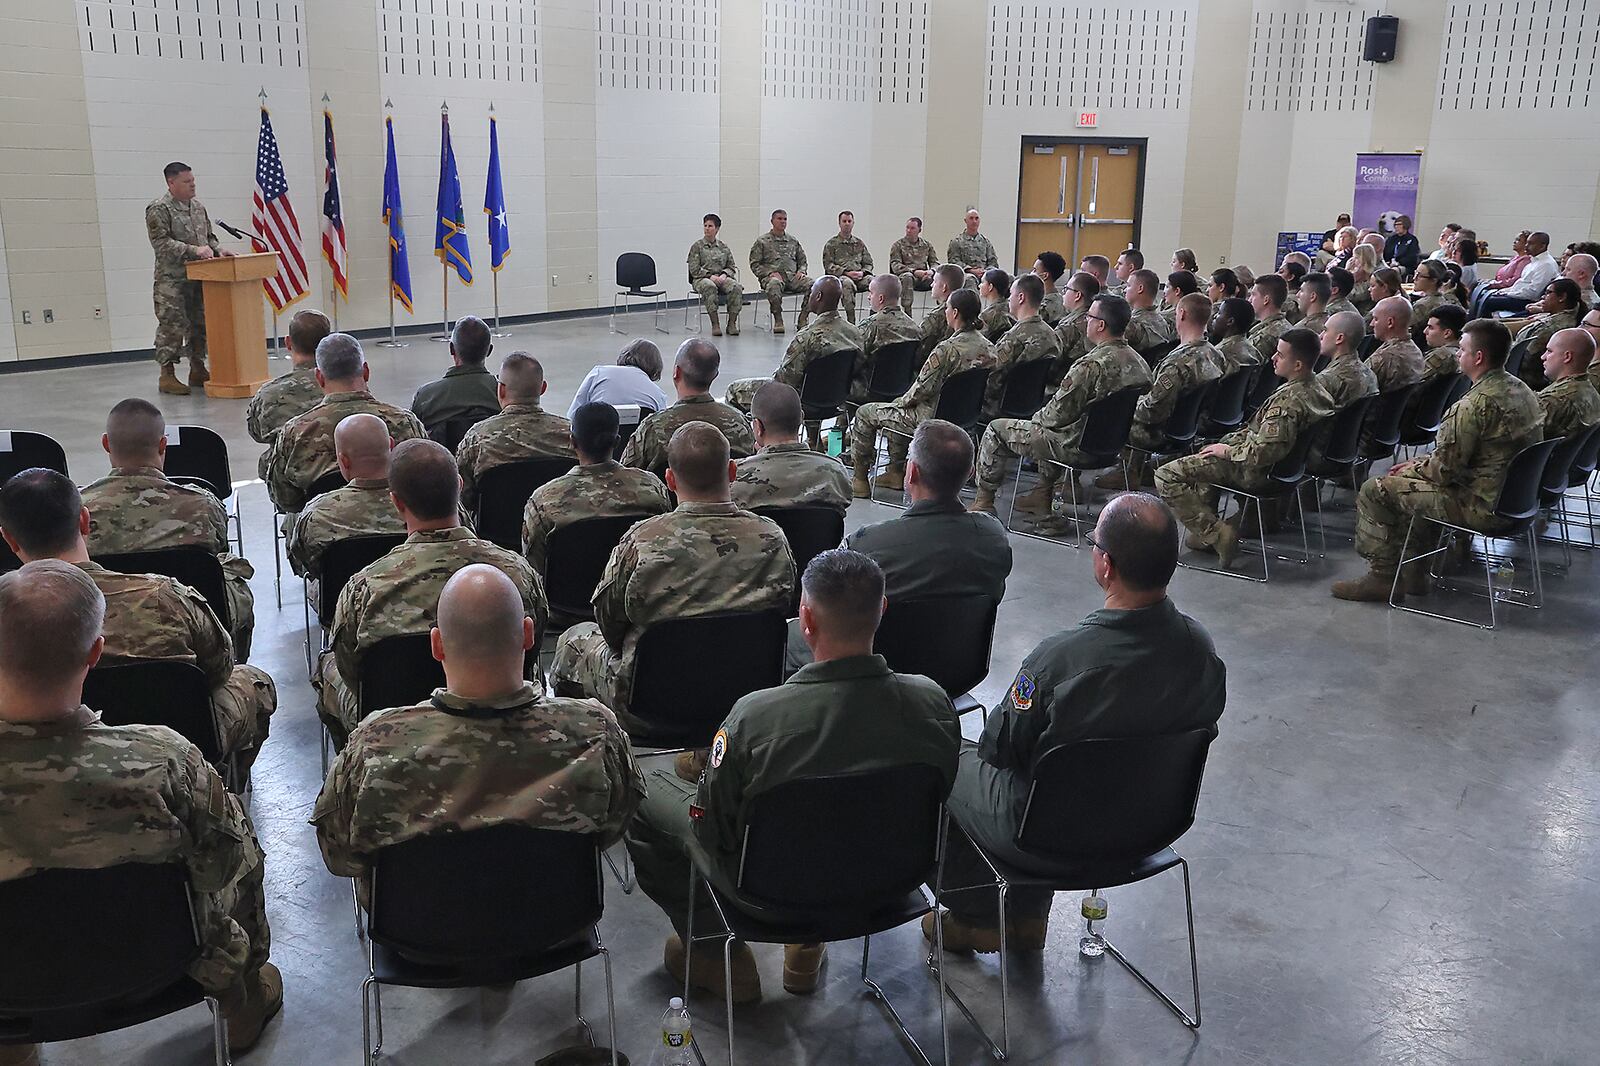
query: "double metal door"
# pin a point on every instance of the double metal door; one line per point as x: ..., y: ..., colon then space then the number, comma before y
x: 1077, y: 199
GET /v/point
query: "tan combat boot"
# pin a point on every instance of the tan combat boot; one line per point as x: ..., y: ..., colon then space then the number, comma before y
x: 170, y: 384
x: 198, y: 374
x: 802, y: 965
x: 1038, y: 498
x: 19, y: 1055
x: 1226, y: 544
x: 777, y: 319
x: 733, y: 324
x: 893, y: 477
x: 982, y: 501
x: 705, y: 968
x: 251, y: 1006
x: 962, y: 938
x: 1371, y: 587
x: 859, y: 488
x: 1198, y: 543
x: 716, y: 322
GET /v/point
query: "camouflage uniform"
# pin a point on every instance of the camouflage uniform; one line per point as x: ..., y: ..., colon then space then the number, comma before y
x: 791, y: 475
x: 890, y: 326
x: 452, y: 765
x: 1025, y: 342
x: 1427, y: 306
x: 174, y: 229
x: 1074, y: 345
x: 906, y: 256
x: 137, y: 509
x: 82, y: 795
x: 1188, y: 483
x: 706, y: 260
x: 969, y: 252
x: 154, y: 618
x: 304, y: 449
x: 1291, y: 309
x: 1538, y: 333
x: 1237, y: 352
x: 1460, y: 479
x: 520, y: 431
x: 1397, y: 364
x: 603, y: 490
x: 964, y: 351
x: 781, y: 254
x: 827, y: 333
x: 1570, y: 406
x: 1185, y: 368
x: 703, y: 558
x: 399, y: 596
x: 1315, y: 321
x: 994, y: 320
x: 1264, y: 336
x: 1053, y: 308
x: 934, y: 330
x: 1147, y: 329
x: 1360, y: 301
x: 1347, y: 380
x: 361, y: 508
x: 1437, y: 362
x: 1054, y: 432
x: 843, y: 253
x: 647, y: 448
x: 279, y: 400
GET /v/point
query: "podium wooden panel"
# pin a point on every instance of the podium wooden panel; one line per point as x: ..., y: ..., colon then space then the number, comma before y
x: 235, y: 327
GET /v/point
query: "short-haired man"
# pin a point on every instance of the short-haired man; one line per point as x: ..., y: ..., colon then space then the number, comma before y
x: 1459, y: 480
x: 1541, y: 270
x: 1341, y: 285
x: 785, y: 471
x: 487, y: 749
x: 1244, y: 457
x: 1097, y: 267
x: 399, y: 594
x: 293, y: 393
x: 1447, y: 240
x: 1346, y: 377
x: 1316, y: 291
x: 1128, y: 260
x: 1054, y: 432
x: 1079, y: 294
x: 694, y: 369
x: 1442, y: 335
x: 966, y: 349
x: 847, y: 258
x: 361, y: 507
x: 466, y: 393
x: 827, y: 333
x: 971, y: 251
x: 1146, y: 329
x: 1570, y: 402
x: 1397, y: 361
x: 828, y: 718
x: 1560, y: 308
x: 522, y: 430
x: 887, y: 324
x: 1029, y: 340
x: 713, y: 272
x: 1229, y: 332
x: 138, y: 508
x: 778, y: 265
x: 598, y: 487
x: 304, y: 451
x: 935, y: 326
x: 180, y: 232
x: 1137, y: 667
x: 1581, y: 268
x: 1049, y: 268
x: 1267, y: 294
x: 913, y: 260
x: 707, y: 556
x: 148, y: 616
x: 85, y: 795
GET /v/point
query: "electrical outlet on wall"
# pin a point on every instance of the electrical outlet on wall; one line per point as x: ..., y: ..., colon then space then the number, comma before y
x: 1222, y: 260
x: 49, y: 316
x: 27, y: 318
x: 555, y: 279
x: 99, y: 312
x: 591, y: 278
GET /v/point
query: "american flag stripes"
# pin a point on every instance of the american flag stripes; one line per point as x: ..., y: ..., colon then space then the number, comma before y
x: 272, y: 219
x: 333, y: 246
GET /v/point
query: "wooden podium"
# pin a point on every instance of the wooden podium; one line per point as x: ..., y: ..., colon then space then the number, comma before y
x: 235, y: 330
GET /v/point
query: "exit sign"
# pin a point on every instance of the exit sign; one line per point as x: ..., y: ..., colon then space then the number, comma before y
x: 1088, y: 119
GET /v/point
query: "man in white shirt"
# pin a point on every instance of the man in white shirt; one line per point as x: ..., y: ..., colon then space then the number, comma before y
x: 632, y: 380
x: 1539, y: 272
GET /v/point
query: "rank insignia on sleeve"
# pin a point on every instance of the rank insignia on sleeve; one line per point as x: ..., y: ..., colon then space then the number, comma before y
x: 1022, y: 690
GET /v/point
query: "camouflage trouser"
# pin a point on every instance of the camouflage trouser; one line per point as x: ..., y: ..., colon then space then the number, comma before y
x: 243, y: 708
x: 970, y: 282
x: 585, y: 666
x: 848, y: 288
x: 234, y: 937
x: 708, y: 296
x: 180, y: 317
x: 742, y: 393
x: 872, y: 417
x: 1008, y: 437
x: 1386, y: 504
x: 1186, y: 485
x: 236, y: 573
x: 336, y: 701
x: 775, y: 288
x: 909, y: 286
x: 1148, y: 436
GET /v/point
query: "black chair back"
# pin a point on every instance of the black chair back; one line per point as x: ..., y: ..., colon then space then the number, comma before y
x: 826, y: 384
x: 629, y: 415
x: 198, y: 456
x: 503, y: 493
x: 529, y: 890
x: 575, y: 558
x: 1343, y: 445
x: 810, y: 531
x: 1024, y: 391
x: 1106, y: 425
x: 1369, y: 344
x: 1585, y: 459
x: 345, y: 559
x: 1183, y: 424
x: 1433, y: 400
x: 1519, y: 494
x: 1226, y: 412
x: 1291, y: 469
x: 1144, y: 790
x: 333, y: 479
x: 636, y: 271
x: 8, y: 559
x: 451, y: 431
x: 397, y: 672
x: 689, y: 672
x: 196, y: 567
x: 842, y: 840
x: 1155, y: 354
x: 22, y: 449
x: 155, y: 692
x: 1383, y: 431
x: 1557, y: 469
x: 1266, y: 383
x: 947, y: 639
x: 961, y: 398
x: 894, y: 367
x: 1519, y: 352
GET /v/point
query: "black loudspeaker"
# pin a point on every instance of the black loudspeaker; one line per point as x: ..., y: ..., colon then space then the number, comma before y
x: 1383, y: 33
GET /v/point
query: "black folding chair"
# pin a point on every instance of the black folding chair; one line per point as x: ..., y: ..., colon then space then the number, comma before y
x: 1382, y: 433
x: 1024, y: 393
x: 826, y: 385
x: 810, y: 531
x: 1519, y: 352
x: 1341, y: 450
x: 689, y: 672
x: 1182, y: 426
x: 341, y: 561
x: 1146, y: 789
x: 1106, y: 425
x: 894, y: 368
x: 695, y: 309
x: 947, y: 639
x: 419, y: 935
x: 1580, y: 475
x: 960, y: 402
x: 22, y: 449
x: 451, y: 431
x: 199, y: 456
x: 636, y: 272
x: 1434, y: 398
x: 196, y: 567
x: 1557, y: 480
x: 1261, y: 390
x: 333, y: 479
x: 1225, y: 412
x: 161, y: 692
x: 1153, y: 355
x: 93, y: 951
x: 397, y: 672
x: 836, y: 857
x: 576, y: 555
x: 1369, y: 344
x: 503, y: 493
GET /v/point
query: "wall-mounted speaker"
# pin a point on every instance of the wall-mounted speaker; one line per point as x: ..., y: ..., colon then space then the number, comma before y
x: 1383, y: 33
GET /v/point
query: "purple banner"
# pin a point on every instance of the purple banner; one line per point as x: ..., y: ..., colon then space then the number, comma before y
x: 1386, y: 188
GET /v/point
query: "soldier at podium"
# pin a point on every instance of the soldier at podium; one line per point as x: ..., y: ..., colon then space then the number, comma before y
x: 180, y: 231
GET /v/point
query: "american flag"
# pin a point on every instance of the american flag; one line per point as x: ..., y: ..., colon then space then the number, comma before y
x: 333, y: 248
x: 272, y: 219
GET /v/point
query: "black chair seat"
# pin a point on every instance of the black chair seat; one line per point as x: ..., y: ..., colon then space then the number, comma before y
x: 49, y: 1026
x: 393, y: 966
x: 1070, y: 876
x: 641, y: 292
x: 823, y: 929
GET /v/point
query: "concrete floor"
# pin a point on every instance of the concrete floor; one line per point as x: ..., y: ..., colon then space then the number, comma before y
x: 1395, y: 860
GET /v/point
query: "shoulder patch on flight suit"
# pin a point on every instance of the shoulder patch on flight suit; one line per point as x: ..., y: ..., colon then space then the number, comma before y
x: 1022, y: 690
x: 719, y: 748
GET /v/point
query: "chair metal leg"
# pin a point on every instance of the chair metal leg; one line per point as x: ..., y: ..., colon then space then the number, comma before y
x: 876, y: 992
x: 611, y: 1005
x: 277, y: 555
x: 367, y: 1050
x: 1192, y: 1021
x: 355, y: 905
x: 577, y: 1003
x: 624, y: 876
x: 219, y: 1033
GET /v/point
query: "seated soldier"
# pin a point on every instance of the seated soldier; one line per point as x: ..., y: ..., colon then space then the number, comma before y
x: 706, y: 557
x: 137, y: 508
x: 1225, y: 285
x: 1384, y: 284
x: 1049, y: 268
x: 487, y: 749
x: 399, y: 594
x: 1442, y: 335
x: 1346, y: 378
x: 1559, y: 309
x: 778, y: 265
x: 965, y: 349
x: 935, y: 325
x: 1137, y: 667
x: 293, y: 393
x: 1128, y: 260
x: 1293, y: 271
x: 1397, y: 361
x: 913, y: 260
x: 1146, y: 329
x: 713, y: 271
x: 1080, y: 292
x: 971, y: 251
x: 1432, y: 287
x: 1243, y: 458
x: 827, y: 333
x: 1267, y: 294
x: 1570, y: 402
x: 148, y: 617
x: 84, y: 795
x: 785, y: 471
x: 304, y: 451
x: 887, y: 324
x: 1316, y: 292
x: 994, y: 290
x: 598, y: 487
x: 1459, y: 480
x: 845, y: 712
x: 1097, y: 267
x: 693, y: 370
x: 1341, y: 284
x: 846, y: 257
x: 1229, y: 332
x: 361, y: 508
x: 1180, y: 283
x: 466, y: 393
x: 1054, y: 432
x: 522, y: 430
x: 1028, y: 340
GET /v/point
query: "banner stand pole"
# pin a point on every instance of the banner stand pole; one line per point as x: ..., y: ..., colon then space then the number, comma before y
x: 445, y: 269
x: 391, y: 342
x: 497, y: 331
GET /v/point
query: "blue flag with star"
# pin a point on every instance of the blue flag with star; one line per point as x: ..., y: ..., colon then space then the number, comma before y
x: 494, y: 204
x: 450, y: 221
x: 393, y: 212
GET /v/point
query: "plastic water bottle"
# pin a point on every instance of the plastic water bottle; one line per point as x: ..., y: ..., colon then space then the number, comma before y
x: 1094, y: 908
x: 675, y: 1037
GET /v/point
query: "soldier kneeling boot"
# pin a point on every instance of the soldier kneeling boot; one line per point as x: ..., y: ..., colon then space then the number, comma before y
x: 170, y: 384
x: 705, y: 968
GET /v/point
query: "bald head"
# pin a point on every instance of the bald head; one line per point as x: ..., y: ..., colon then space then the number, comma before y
x: 521, y: 378
x: 698, y: 467
x: 1138, y: 534
x: 424, y: 480
x: 1581, y: 268
x: 826, y: 294
x: 135, y: 433
x: 361, y: 443
x: 481, y: 624
x: 1391, y: 318
x: 50, y: 619
x: 1568, y: 354
x: 1346, y: 328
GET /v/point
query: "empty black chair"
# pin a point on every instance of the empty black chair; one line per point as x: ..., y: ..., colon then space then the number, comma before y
x: 1226, y: 411
x: 343, y: 560
x: 1382, y: 433
x: 1433, y: 400
x: 1369, y: 344
x: 157, y: 692
x: 810, y: 531
x: 689, y: 672
x: 22, y: 449
x: 1106, y: 425
x: 196, y: 567
x: 94, y: 951
x: 198, y: 456
x: 576, y: 556
x: 503, y: 493
x: 961, y: 398
x: 1024, y: 393
x: 947, y: 639
x: 826, y: 384
x: 420, y: 936
x: 1341, y: 450
x: 894, y: 367
x: 636, y: 272
x: 1514, y: 358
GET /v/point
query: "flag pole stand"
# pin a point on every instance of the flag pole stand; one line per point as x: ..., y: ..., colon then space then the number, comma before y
x: 333, y: 298
x: 446, y: 334
x: 392, y: 342
x: 277, y: 345
x: 497, y: 331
